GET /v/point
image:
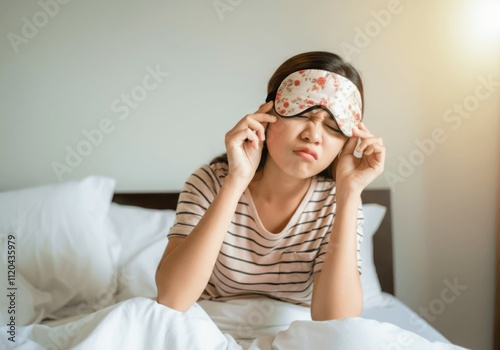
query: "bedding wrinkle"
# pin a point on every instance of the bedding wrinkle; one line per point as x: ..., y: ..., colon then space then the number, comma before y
x: 250, y: 324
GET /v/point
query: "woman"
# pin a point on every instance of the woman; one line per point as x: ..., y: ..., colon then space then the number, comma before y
x: 280, y: 214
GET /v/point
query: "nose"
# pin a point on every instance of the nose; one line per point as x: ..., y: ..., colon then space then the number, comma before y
x: 312, y: 132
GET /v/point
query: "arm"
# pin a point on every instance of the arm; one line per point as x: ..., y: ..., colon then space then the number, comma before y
x: 187, y: 264
x: 184, y: 271
x: 337, y: 289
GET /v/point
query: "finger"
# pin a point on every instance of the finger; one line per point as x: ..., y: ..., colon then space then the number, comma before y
x: 249, y: 121
x: 263, y: 117
x: 242, y: 137
x: 362, y: 131
x: 257, y: 122
x: 374, y: 148
x: 258, y: 117
x: 269, y: 118
x: 252, y: 138
x: 257, y: 127
x: 367, y: 142
x: 265, y: 107
x: 350, y: 145
x: 237, y: 136
x: 377, y: 151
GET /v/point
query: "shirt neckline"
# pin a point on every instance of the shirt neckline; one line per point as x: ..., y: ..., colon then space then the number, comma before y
x: 293, y: 219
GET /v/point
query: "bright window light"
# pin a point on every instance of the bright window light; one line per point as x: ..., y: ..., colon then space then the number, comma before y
x: 484, y: 16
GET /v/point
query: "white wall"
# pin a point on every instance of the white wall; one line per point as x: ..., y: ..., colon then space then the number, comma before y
x: 64, y: 78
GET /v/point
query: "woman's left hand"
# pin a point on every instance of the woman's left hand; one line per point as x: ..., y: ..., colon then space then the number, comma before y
x: 353, y: 174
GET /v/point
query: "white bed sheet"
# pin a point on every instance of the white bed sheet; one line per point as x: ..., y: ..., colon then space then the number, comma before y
x: 253, y: 318
x: 396, y: 312
x: 248, y: 319
x: 142, y: 323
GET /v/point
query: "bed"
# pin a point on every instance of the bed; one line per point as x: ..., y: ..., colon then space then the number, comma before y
x: 85, y: 258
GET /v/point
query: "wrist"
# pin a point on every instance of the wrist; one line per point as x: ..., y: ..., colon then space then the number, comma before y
x: 236, y: 184
x: 346, y: 194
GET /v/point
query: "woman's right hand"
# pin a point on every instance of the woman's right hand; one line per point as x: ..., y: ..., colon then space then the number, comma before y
x: 244, y: 144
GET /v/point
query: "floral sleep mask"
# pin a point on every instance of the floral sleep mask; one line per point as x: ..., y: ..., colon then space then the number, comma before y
x: 308, y: 89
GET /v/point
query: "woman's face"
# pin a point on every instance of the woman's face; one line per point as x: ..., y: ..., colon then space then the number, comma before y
x: 304, y: 146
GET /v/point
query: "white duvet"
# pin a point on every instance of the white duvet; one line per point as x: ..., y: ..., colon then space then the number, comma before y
x: 142, y: 323
x: 85, y: 268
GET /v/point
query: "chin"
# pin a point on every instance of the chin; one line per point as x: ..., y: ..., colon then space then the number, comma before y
x: 302, y: 174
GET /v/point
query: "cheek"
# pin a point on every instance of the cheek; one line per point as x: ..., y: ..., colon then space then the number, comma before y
x: 334, y: 147
x: 275, y: 131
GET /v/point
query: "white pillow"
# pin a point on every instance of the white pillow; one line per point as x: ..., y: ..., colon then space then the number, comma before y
x: 143, y: 235
x: 372, y: 292
x: 63, y: 247
x: 29, y: 304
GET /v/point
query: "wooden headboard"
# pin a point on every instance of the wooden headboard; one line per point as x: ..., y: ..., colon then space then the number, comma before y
x: 382, y: 241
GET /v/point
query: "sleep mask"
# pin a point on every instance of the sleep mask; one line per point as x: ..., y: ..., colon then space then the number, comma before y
x: 309, y: 89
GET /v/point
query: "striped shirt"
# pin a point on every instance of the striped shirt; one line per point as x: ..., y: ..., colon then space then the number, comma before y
x: 253, y: 261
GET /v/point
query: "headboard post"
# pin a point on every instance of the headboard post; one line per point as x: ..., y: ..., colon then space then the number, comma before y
x: 382, y: 240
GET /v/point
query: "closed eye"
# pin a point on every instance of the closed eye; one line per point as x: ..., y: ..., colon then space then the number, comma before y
x: 334, y: 128
x: 329, y: 123
x: 301, y: 117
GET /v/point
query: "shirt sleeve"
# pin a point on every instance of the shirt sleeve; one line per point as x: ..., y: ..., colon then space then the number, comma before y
x: 196, y: 196
x: 318, y: 263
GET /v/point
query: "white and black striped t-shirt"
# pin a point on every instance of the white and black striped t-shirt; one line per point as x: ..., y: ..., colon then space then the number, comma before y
x: 253, y: 260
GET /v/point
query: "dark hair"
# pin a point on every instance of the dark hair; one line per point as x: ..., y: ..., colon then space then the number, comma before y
x: 308, y: 60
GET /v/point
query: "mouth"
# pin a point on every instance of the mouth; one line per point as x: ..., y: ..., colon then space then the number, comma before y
x: 306, y: 153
